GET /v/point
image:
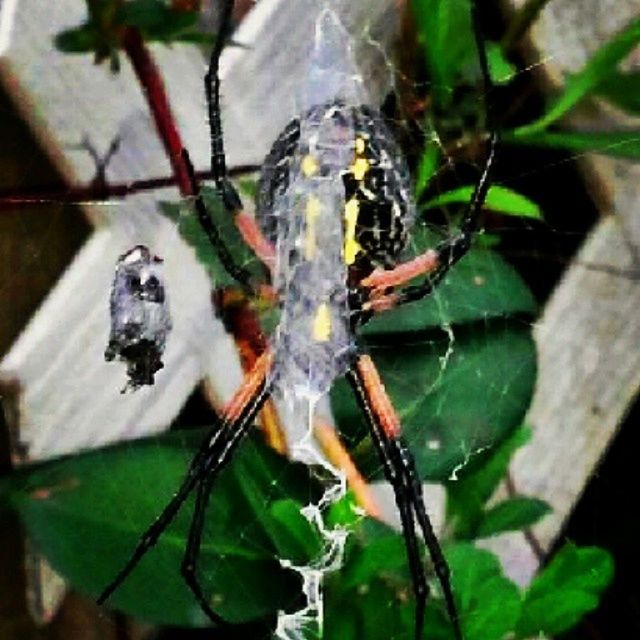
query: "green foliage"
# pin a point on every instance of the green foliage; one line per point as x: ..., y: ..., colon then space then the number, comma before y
x: 447, y: 41
x: 622, y: 90
x: 499, y: 199
x: 568, y: 587
x: 75, y: 512
x: 191, y: 231
x: 601, y: 65
x: 459, y: 366
x: 622, y: 144
x: 449, y: 385
x: 156, y: 20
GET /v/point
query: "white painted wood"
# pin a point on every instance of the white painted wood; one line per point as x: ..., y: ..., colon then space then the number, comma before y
x: 588, y: 337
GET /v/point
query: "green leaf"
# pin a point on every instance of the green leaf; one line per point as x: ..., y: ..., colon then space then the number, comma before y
x: 86, y: 513
x: 567, y: 588
x: 159, y: 22
x: 511, y: 515
x: 501, y: 70
x: 345, y: 512
x: 468, y: 493
x: 191, y: 231
x: 482, y: 286
x: 459, y: 372
x: 621, y: 144
x: 380, y: 551
x: 78, y: 40
x: 444, y: 31
x: 427, y: 167
x: 489, y: 603
x: 622, y: 90
x: 297, y: 540
x: 455, y: 397
x: 499, y: 199
x: 601, y: 64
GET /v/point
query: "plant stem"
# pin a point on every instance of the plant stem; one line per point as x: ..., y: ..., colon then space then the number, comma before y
x: 156, y: 96
x: 521, y: 22
x: 10, y: 198
x: 529, y: 536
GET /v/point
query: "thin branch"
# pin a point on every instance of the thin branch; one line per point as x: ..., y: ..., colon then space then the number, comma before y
x: 521, y: 23
x: 153, y: 87
x: 529, y: 536
x: 92, y: 193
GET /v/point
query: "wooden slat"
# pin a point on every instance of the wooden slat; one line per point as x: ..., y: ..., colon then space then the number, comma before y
x: 588, y: 337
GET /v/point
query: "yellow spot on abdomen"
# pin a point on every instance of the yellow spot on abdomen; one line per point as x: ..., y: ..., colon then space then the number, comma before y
x: 322, y: 323
x: 309, y: 166
x: 351, y: 246
x: 359, y: 168
x: 361, y: 146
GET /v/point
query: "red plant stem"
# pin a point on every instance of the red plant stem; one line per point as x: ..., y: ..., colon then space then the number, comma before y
x: 10, y: 198
x: 158, y: 101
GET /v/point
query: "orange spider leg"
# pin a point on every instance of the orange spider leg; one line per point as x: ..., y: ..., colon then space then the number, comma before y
x: 400, y: 471
x: 254, y: 238
x: 423, y: 264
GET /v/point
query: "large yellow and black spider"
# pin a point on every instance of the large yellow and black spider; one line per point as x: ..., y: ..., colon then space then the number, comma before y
x: 335, y: 208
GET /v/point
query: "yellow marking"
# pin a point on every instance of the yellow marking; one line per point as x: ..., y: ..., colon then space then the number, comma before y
x: 322, y: 323
x: 359, y: 168
x: 361, y: 146
x: 309, y: 166
x: 351, y: 245
x: 312, y: 212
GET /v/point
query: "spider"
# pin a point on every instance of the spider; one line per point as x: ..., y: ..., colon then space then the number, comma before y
x: 333, y: 217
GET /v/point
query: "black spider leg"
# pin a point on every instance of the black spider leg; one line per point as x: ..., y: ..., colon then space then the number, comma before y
x: 453, y: 249
x: 237, y: 272
x: 227, y: 192
x: 236, y: 433
x: 399, y: 469
x: 213, y: 455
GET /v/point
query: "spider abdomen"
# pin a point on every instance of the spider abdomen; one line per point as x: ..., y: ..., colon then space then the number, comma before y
x: 376, y: 183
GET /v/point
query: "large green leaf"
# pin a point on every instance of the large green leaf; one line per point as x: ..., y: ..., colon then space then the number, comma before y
x: 565, y: 590
x: 455, y: 397
x: 87, y: 512
x: 600, y: 65
x: 457, y: 368
x: 480, y: 287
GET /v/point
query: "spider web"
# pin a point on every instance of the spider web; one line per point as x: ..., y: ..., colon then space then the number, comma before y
x: 444, y: 337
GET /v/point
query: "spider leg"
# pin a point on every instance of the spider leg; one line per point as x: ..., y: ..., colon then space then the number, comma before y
x: 239, y: 416
x: 399, y: 470
x: 436, y: 263
x: 151, y: 535
x: 227, y: 192
x: 440, y: 566
x: 190, y: 560
x: 214, y: 453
